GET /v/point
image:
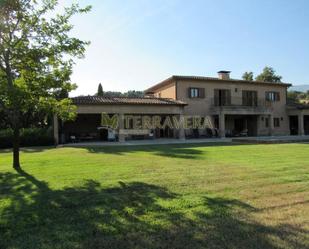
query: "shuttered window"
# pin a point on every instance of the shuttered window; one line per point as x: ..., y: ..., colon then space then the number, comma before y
x: 272, y: 96
x: 196, y: 92
x: 222, y: 97
x: 249, y: 98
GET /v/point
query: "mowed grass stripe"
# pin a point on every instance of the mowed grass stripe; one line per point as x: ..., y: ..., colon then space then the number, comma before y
x: 165, y: 196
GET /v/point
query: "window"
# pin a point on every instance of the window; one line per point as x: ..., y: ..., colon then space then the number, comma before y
x: 276, y: 122
x: 196, y: 93
x: 249, y: 98
x: 222, y: 97
x: 266, y: 122
x: 272, y: 96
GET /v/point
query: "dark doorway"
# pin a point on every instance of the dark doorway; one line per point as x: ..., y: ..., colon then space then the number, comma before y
x: 252, y: 125
x: 293, y: 125
x: 306, y: 124
x: 240, y: 124
x: 103, y: 134
x: 164, y: 133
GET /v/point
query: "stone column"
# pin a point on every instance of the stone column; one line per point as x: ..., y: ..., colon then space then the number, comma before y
x: 56, y: 129
x: 301, y: 130
x: 182, y: 135
x: 222, y: 125
x: 121, y: 136
x: 271, y: 125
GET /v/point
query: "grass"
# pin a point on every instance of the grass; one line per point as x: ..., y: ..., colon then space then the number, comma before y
x: 167, y: 196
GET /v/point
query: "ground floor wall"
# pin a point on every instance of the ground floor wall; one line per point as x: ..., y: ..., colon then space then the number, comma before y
x: 87, y: 127
x: 299, y: 124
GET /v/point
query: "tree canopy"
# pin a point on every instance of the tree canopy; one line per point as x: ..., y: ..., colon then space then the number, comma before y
x: 269, y: 75
x: 247, y: 76
x: 36, y: 59
x: 298, y: 97
x: 129, y: 94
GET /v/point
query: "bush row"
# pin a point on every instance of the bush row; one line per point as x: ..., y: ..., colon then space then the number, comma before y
x: 28, y: 137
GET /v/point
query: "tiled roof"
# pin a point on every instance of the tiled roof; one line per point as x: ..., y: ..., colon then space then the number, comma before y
x: 202, y: 78
x: 96, y: 100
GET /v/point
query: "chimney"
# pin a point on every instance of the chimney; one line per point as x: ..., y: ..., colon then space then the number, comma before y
x: 224, y: 75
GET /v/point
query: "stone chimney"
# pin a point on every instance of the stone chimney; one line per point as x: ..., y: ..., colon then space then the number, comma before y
x: 224, y: 75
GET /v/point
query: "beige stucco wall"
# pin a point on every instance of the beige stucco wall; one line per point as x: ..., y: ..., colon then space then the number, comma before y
x: 204, y: 106
x: 168, y: 91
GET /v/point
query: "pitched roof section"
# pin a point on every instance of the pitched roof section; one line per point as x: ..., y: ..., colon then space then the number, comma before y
x: 202, y: 78
x: 97, y: 100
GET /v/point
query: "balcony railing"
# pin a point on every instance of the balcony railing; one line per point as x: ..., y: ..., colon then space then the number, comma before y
x: 240, y: 103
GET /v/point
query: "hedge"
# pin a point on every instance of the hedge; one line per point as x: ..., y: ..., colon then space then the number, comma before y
x: 28, y: 137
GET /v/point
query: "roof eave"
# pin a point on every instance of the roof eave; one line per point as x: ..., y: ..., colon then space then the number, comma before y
x: 199, y: 78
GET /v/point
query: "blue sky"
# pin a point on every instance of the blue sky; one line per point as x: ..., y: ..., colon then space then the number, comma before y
x: 136, y: 43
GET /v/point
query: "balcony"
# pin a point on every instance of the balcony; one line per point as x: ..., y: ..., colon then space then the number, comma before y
x: 239, y: 105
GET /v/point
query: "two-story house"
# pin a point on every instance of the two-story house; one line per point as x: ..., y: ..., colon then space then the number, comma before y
x: 236, y: 107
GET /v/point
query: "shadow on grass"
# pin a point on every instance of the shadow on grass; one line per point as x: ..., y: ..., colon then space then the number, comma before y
x: 130, y: 215
x: 183, y: 151
x: 29, y: 149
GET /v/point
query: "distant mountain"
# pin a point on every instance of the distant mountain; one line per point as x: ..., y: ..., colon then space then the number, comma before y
x: 299, y: 88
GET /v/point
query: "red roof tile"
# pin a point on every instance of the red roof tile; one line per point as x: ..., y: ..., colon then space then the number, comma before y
x: 96, y: 100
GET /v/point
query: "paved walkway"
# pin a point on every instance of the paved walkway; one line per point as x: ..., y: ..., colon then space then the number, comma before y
x: 151, y: 142
x: 273, y: 139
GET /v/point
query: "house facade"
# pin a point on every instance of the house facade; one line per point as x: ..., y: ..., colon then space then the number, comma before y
x: 234, y: 108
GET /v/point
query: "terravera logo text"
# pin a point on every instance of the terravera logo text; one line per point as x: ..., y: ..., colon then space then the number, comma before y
x: 155, y: 122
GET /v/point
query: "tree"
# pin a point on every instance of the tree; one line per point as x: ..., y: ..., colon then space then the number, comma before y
x: 247, y: 76
x: 111, y: 94
x: 36, y: 59
x: 100, y: 90
x: 269, y: 75
x: 134, y: 94
x: 128, y: 94
x: 293, y: 96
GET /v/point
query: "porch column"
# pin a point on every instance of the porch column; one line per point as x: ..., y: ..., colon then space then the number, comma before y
x: 271, y: 125
x: 222, y: 125
x: 56, y: 129
x: 301, y: 130
x: 121, y: 136
x: 182, y: 135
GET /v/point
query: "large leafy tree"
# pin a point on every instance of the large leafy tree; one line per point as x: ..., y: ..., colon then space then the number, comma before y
x: 36, y: 59
x: 247, y: 76
x: 269, y: 75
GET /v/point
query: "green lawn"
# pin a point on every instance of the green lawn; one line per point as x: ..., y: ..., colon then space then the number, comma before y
x: 171, y: 196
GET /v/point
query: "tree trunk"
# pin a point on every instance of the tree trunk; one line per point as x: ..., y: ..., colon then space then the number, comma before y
x: 16, y: 139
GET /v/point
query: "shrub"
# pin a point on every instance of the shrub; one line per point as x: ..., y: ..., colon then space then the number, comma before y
x: 28, y: 137
x: 6, y: 138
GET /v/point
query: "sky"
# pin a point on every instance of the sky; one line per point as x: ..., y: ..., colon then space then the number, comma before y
x: 137, y: 43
